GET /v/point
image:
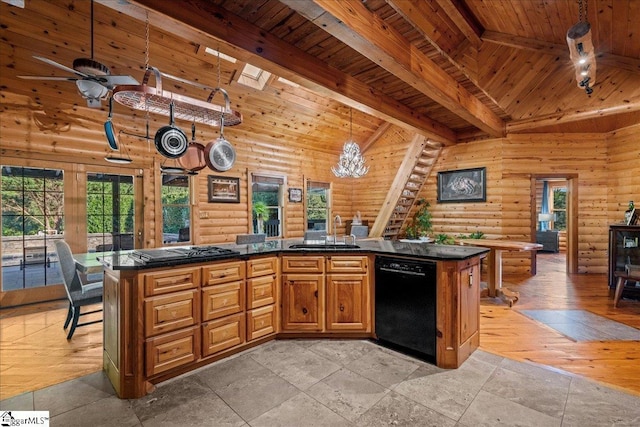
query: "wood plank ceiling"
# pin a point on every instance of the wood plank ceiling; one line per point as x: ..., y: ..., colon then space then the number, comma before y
x: 453, y: 70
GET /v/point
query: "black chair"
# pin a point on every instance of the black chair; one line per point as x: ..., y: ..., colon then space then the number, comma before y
x: 79, y: 294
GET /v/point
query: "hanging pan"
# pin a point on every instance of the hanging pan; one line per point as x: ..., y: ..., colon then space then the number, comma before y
x: 108, y: 128
x: 170, y: 140
x: 193, y: 160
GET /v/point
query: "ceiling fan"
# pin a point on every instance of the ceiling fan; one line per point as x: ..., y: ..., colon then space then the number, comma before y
x: 94, y: 80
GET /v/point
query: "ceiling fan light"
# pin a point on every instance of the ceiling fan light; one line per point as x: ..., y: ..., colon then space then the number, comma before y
x: 91, y: 89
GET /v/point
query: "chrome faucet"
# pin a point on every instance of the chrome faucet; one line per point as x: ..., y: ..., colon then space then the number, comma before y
x: 336, y: 221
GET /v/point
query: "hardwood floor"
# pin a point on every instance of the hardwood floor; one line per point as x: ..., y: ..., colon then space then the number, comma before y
x: 35, y: 354
x: 511, y: 334
x: 34, y: 351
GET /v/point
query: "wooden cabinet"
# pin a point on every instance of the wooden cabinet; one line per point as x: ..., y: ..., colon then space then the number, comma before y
x: 303, y: 302
x: 222, y: 299
x: 262, y: 295
x: 173, y: 280
x: 166, y: 313
x: 549, y: 240
x: 458, y: 315
x: 171, y: 350
x: 624, y: 248
x: 337, y: 301
x: 469, y: 302
x: 222, y: 334
x: 348, y: 305
x: 223, y: 272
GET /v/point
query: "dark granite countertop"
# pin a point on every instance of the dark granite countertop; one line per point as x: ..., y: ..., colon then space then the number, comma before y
x: 428, y: 251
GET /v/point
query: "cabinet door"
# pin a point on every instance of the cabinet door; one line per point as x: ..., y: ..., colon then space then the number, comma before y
x: 171, y: 350
x: 303, y: 264
x: 170, y: 280
x: 347, y: 264
x: 261, y: 291
x: 223, y: 272
x: 222, y: 334
x: 303, y: 302
x: 347, y: 302
x: 261, y: 322
x: 469, y: 302
x: 222, y: 300
x: 262, y: 266
x: 170, y: 312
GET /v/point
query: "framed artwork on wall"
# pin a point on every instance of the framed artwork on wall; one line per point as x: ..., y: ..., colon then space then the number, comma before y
x: 295, y: 195
x: 463, y: 185
x: 223, y: 189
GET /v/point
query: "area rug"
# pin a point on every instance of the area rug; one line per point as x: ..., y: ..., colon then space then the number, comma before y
x: 581, y: 325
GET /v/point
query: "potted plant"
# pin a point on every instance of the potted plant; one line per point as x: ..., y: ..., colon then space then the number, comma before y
x: 261, y: 211
x: 420, y: 225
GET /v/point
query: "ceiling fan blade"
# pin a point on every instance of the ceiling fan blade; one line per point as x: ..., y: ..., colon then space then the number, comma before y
x: 118, y: 80
x: 68, y: 79
x: 62, y: 67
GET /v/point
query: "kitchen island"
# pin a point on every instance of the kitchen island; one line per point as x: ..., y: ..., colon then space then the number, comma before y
x: 165, y: 317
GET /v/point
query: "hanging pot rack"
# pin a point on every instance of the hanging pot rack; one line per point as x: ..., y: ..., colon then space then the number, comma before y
x: 157, y: 100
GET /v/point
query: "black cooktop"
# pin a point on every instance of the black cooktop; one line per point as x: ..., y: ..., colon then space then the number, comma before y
x: 154, y: 256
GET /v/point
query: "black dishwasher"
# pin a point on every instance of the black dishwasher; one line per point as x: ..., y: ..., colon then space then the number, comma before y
x: 406, y: 306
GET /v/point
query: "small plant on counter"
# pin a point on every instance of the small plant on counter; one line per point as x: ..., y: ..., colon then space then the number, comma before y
x: 444, y: 239
x: 474, y: 235
x: 420, y: 225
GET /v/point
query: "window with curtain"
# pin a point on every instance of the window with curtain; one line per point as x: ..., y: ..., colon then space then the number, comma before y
x: 32, y: 219
x: 266, y: 204
x: 176, y: 209
x: 317, y: 198
x: 110, y: 212
x: 559, y: 208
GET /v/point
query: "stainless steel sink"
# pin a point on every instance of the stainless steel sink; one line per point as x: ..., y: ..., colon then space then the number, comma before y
x: 323, y: 246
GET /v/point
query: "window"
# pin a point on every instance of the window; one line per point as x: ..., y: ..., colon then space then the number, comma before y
x: 317, y: 205
x: 176, y: 208
x: 32, y: 219
x: 559, y: 208
x: 110, y: 212
x: 266, y: 204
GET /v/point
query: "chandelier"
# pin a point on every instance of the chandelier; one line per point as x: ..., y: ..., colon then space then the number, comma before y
x: 351, y: 163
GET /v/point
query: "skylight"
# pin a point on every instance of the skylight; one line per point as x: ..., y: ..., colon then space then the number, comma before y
x: 222, y: 55
x: 254, y: 77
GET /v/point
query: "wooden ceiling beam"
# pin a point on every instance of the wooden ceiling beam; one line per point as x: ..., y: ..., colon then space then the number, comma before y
x: 352, y: 23
x: 572, y: 116
x: 200, y: 21
x: 375, y: 136
x: 416, y: 13
x: 622, y: 62
x: 464, y: 20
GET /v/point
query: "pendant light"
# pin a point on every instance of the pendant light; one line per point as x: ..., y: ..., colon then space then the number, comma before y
x: 351, y: 162
x: 581, y: 50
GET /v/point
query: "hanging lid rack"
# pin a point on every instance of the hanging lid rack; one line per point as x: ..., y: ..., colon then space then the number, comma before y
x: 157, y: 100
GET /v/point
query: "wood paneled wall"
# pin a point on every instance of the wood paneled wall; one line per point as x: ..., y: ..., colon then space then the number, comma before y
x: 624, y: 172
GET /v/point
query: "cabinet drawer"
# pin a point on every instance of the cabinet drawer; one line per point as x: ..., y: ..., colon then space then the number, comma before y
x: 303, y: 264
x: 261, y: 322
x: 171, y: 280
x: 262, y: 266
x: 222, y: 300
x: 168, y: 351
x: 170, y: 312
x: 222, y: 334
x: 222, y: 273
x: 261, y: 291
x: 347, y: 264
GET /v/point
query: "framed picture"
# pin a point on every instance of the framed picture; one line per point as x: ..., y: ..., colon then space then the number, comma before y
x: 463, y: 185
x: 295, y: 195
x: 223, y: 189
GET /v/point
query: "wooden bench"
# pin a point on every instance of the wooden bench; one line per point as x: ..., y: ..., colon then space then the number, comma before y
x: 623, y: 276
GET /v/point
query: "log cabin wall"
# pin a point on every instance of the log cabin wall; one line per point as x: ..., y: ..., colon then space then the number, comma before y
x: 624, y: 172
x: 510, y: 163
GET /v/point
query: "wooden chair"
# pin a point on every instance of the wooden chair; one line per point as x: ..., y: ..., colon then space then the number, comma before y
x: 623, y: 276
x: 79, y: 294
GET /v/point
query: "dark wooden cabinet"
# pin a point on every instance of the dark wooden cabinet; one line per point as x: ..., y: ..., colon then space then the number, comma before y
x: 624, y: 248
x: 549, y: 240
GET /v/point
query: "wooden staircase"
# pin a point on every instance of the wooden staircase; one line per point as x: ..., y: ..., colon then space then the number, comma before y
x: 412, y: 174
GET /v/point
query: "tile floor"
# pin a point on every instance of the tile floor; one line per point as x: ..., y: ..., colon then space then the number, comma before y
x: 342, y: 383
